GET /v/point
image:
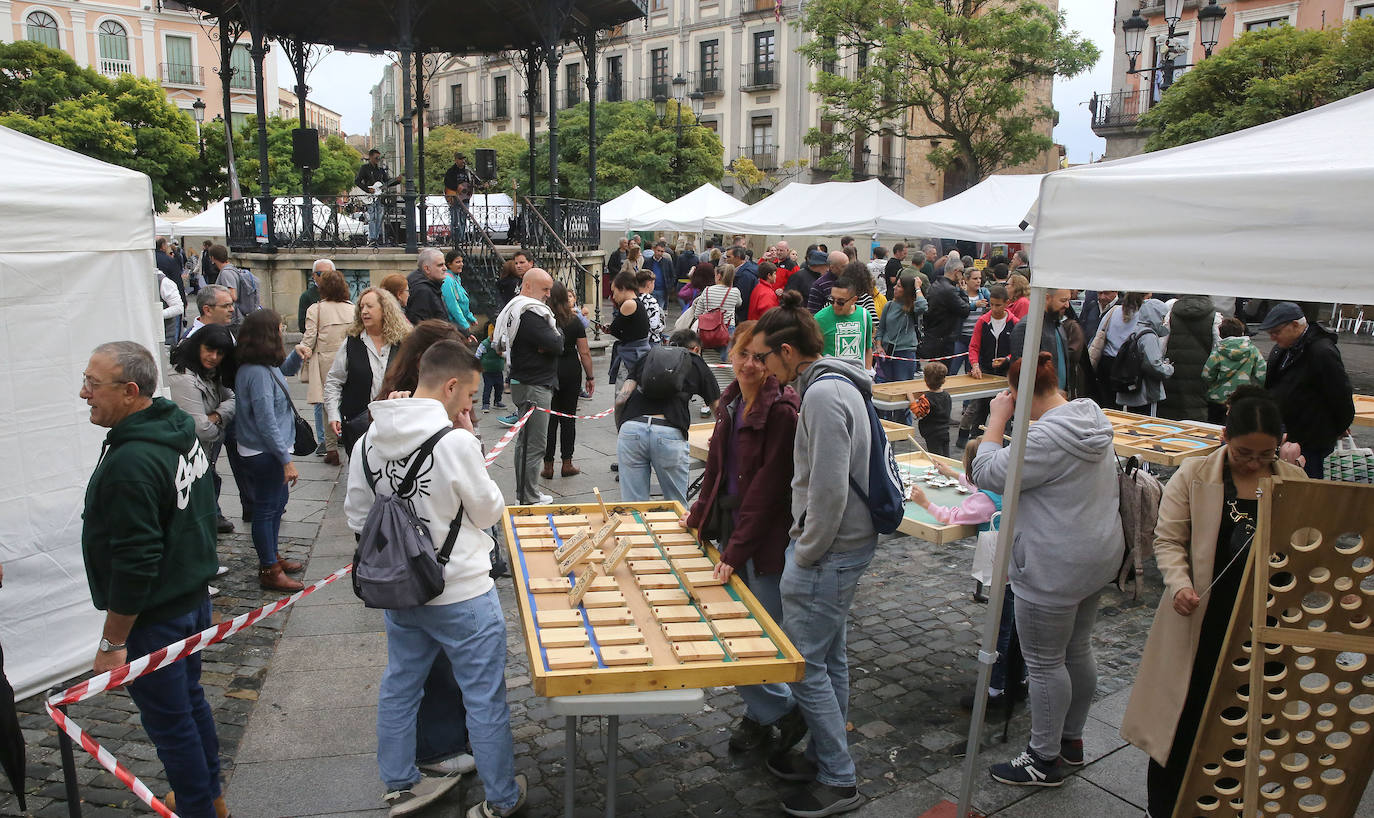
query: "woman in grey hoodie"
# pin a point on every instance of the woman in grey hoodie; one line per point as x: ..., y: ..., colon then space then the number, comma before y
x: 1067, y: 546
x: 1154, y: 369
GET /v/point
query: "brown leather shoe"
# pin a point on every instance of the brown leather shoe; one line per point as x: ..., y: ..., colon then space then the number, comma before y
x: 221, y: 809
x: 547, y: 473
x: 272, y: 579
x: 569, y: 469
x: 290, y: 566
x: 332, y: 458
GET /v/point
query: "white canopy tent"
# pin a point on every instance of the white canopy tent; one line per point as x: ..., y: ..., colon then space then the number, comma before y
x: 990, y: 211
x: 616, y: 214
x: 162, y: 226
x: 1207, y: 218
x: 208, y: 223
x: 824, y: 209
x: 688, y: 214
x: 105, y: 293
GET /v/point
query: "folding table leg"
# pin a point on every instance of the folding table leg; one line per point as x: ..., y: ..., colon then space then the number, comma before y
x: 612, y: 755
x: 570, y: 725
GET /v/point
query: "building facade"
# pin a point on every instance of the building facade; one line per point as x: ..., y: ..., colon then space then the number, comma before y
x: 1116, y: 112
x: 317, y: 116
x: 159, y: 39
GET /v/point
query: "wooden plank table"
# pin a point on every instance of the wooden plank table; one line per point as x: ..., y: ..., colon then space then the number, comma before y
x: 1162, y: 442
x: 655, y: 621
x: 959, y: 387
x: 918, y: 522
x: 1364, y: 410
x: 699, y: 436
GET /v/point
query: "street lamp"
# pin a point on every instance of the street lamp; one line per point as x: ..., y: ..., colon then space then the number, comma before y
x: 198, y: 112
x: 1209, y: 25
x: 1133, y: 29
x: 698, y: 101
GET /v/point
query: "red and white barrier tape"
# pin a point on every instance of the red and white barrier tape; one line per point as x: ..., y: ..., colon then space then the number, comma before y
x: 597, y: 416
x: 508, y: 436
x: 155, y: 661
x: 878, y: 353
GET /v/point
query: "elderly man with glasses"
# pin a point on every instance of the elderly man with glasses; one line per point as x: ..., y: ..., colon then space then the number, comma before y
x: 1308, y: 379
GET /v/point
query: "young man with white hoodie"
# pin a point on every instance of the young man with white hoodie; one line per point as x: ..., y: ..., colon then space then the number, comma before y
x: 465, y: 620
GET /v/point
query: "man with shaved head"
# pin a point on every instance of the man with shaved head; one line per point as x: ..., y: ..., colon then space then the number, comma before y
x: 528, y: 334
x: 820, y: 291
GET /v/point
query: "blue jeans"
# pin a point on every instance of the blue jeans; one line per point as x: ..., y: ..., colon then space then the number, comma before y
x: 473, y: 635
x: 270, y: 493
x: 1057, y: 644
x: 890, y: 371
x: 815, y: 614
x: 956, y: 364
x: 374, y: 220
x: 240, y: 472
x: 319, y: 423
x: 641, y: 446
x: 1005, y: 629
x: 441, y: 730
x: 175, y: 714
x: 765, y: 703
x: 492, y: 382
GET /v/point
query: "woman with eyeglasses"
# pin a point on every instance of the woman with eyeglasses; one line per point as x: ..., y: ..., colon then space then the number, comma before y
x: 748, y: 479
x: 1206, y: 522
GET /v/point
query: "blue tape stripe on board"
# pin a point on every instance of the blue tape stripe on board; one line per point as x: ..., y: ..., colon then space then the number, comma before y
x: 572, y: 580
x: 525, y: 572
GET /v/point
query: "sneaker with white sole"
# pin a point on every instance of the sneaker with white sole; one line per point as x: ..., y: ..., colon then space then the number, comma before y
x: 486, y: 810
x: 420, y: 794
x: 1029, y: 770
x: 543, y: 499
x: 461, y: 764
x: 818, y: 800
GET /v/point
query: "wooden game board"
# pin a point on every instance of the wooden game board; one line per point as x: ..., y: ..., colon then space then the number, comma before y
x: 657, y: 621
x: 1163, y: 442
x: 955, y: 385
x: 918, y: 522
x: 699, y: 436
x: 1364, y: 410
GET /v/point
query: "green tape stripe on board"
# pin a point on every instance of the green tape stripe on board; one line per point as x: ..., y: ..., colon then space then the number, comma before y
x: 715, y: 637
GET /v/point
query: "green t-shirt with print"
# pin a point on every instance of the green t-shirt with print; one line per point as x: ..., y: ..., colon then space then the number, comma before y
x: 847, y: 336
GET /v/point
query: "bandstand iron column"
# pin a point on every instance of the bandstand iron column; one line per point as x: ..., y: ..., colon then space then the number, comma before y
x: 299, y: 52
x: 407, y: 39
x: 258, y: 50
x: 229, y: 33
x: 420, y: 106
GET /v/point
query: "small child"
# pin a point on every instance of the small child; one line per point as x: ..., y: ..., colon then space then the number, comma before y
x: 933, y: 409
x: 493, y: 368
x: 1234, y: 362
x: 646, y: 280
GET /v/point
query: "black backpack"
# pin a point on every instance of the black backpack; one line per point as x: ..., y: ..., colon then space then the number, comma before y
x: 664, y: 374
x: 1128, y: 364
x: 886, y: 496
x: 395, y: 565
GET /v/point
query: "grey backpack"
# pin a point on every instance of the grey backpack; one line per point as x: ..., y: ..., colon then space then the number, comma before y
x: 395, y: 565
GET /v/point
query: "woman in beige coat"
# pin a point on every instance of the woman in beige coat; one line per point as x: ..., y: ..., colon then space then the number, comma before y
x: 326, y: 326
x: 1202, y: 543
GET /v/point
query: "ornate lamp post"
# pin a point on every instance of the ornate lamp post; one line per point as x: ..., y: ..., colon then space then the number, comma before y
x: 1209, y: 19
x: 698, y: 101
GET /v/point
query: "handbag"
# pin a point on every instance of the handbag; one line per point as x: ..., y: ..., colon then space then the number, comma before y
x: 305, y: 435
x: 711, y: 327
x: 985, y: 552
x: 684, y: 321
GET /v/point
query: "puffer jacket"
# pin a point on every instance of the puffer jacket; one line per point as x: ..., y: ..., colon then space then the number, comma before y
x: 1235, y: 362
x: 1190, y: 343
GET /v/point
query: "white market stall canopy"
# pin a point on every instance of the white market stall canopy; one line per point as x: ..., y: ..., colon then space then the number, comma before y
x: 824, y: 209
x: 94, y: 222
x: 162, y: 226
x: 617, y: 213
x: 991, y: 211
x: 1215, y: 217
x: 689, y: 213
x: 207, y: 223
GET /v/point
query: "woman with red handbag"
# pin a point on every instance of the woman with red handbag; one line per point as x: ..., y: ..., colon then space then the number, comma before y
x: 713, y: 314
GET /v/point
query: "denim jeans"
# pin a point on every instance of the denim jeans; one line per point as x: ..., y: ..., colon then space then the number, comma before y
x: 815, y: 614
x: 441, y: 729
x: 319, y: 423
x: 212, y: 454
x: 458, y: 223
x: 890, y: 371
x: 765, y: 703
x: 492, y: 382
x: 641, y: 446
x: 175, y: 714
x: 529, y: 444
x: 374, y: 220
x: 1056, y: 641
x: 1005, y: 629
x: 473, y: 635
x: 270, y: 494
x: 240, y: 472
x: 956, y: 364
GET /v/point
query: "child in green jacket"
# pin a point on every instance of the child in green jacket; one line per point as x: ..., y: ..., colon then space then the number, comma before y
x: 1233, y: 363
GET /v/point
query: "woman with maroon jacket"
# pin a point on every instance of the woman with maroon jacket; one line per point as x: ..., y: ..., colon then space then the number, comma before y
x: 748, y: 479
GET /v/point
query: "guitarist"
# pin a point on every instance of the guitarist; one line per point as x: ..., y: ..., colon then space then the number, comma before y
x: 459, y: 184
x: 373, y: 178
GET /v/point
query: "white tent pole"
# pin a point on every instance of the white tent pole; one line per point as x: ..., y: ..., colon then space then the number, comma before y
x: 1011, y: 498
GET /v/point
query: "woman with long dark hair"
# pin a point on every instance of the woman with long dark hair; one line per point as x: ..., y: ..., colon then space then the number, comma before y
x: 200, y: 384
x: 573, y: 365
x: 265, y: 427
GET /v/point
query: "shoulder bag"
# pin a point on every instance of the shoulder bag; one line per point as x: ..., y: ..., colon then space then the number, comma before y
x: 305, y: 436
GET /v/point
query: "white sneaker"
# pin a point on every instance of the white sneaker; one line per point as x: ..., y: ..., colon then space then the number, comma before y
x: 461, y: 764
x: 543, y: 499
x: 426, y: 791
x: 213, y: 591
x: 484, y: 809
x: 222, y: 570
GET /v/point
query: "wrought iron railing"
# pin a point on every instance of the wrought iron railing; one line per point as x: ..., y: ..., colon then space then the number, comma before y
x: 757, y: 76
x: 613, y: 88
x: 551, y: 228
x: 180, y: 74
x: 482, y: 262
x: 1118, y: 109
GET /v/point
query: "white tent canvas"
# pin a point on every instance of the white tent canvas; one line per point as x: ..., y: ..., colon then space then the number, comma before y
x: 162, y: 226
x: 1214, y: 217
x: 104, y: 293
x: 688, y: 214
x: 616, y: 214
x: 824, y: 209
x: 991, y: 211
x: 208, y: 223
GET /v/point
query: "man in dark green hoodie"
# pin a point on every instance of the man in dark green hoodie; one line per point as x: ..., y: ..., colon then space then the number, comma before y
x: 148, y: 538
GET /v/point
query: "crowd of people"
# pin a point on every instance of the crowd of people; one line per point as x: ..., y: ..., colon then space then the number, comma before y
x: 798, y: 341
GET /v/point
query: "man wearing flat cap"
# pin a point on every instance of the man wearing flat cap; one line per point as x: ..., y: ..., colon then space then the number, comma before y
x: 1308, y: 379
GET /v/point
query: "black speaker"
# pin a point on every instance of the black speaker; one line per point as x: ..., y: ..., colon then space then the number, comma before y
x: 305, y: 148
x: 486, y: 164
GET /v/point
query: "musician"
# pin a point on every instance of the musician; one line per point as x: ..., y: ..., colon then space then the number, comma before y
x: 373, y: 177
x: 459, y: 184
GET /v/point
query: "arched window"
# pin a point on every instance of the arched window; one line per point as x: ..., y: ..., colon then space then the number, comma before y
x: 41, y: 27
x: 114, y: 49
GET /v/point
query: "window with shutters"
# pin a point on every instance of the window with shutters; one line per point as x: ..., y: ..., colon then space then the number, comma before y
x: 242, y: 64
x: 41, y: 27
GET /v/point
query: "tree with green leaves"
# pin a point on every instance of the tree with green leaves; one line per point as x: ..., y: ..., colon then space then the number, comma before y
x: 338, y: 161
x: 441, y: 143
x: 633, y: 148
x: 127, y: 121
x: 960, y: 72
x: 1263, y: 76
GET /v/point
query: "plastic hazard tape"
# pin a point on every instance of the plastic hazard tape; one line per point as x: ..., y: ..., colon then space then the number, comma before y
x: 597, y: 416
x: 155, y: 661
x: 509, y: 436
x: 878, y: 353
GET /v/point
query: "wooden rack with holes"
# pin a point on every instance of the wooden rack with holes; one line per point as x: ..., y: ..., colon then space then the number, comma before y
x: 1312, y: 737
x: 1163, y: 442
x: 657, y: 620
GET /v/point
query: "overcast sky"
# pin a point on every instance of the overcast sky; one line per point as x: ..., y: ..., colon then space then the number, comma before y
x: 343, y: 81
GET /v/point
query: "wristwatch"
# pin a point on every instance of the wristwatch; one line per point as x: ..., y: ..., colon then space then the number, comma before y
x: 106, y: 646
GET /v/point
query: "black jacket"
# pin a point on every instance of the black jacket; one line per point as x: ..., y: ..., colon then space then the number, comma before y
x: 168, y: 266
x: 534, y: 352
x: 368, y: 175
x: 1052, y: 340
x: 1189, y: 345
x: 1313, y: 390
x: 426, y: 298
x: 944, y: 320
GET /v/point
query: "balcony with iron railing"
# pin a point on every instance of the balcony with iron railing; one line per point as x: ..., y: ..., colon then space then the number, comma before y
x: 112, y: 68
x: 573, y: 94
x: 759, y: 76
x: 243, y: 80
x: 756, y: 8
x: 1116, y: 111
x: 650, y: 87
x: 613, y: 88
x: 540, y: 103
x: 764, y: 157
x: 710, y: 83
x: 498, y: 109
x: 171, y: 73
x: 461, y: 116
